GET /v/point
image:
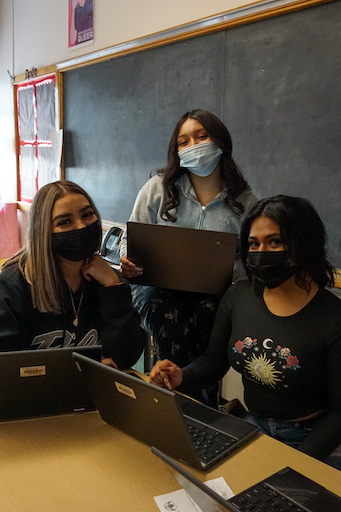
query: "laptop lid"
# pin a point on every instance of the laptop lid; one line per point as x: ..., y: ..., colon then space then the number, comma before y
x: 206, y: 498
x: 154, y: 415
x: 43, y: 382
x: 307, y: 494
x: 193, y: 260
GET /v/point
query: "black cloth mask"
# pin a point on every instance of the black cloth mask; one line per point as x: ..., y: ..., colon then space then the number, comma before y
x: 77, y: 244
x: 270, y: 268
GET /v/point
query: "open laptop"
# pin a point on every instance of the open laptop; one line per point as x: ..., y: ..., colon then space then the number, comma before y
x: 285, y: 490
x: 193, y: 260
x: 43, y: 382
x: 185, y: 429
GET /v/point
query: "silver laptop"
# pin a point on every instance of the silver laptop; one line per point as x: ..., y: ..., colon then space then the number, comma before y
x: 43, y: 382
x: 185, y: 429
x: 286, y: 490
x: 193, y: 260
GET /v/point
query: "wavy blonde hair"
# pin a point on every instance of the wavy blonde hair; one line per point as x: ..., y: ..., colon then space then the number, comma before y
x: 37, y: 260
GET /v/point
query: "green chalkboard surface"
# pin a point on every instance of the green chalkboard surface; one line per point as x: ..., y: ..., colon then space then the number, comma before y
x: 275, y: 83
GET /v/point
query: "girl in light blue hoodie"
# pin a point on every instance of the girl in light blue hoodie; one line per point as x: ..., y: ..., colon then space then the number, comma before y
x: 201, y: 187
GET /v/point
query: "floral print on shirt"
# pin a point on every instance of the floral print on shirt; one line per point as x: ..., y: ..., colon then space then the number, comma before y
x: 264, y: 363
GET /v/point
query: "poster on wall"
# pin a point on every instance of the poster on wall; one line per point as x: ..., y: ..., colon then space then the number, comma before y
x: 81, y: 23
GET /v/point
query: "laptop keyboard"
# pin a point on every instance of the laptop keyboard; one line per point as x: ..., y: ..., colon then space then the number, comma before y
x: 209, y: 443
x: 264, y: 498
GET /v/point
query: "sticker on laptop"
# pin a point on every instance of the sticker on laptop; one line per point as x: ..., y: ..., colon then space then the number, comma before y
x: 125, y: 390
x: 32, y: 371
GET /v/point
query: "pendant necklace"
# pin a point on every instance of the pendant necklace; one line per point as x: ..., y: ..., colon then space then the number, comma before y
x: 76, y: 313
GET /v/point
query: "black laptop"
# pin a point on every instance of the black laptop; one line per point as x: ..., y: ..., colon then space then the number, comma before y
x: 185, y: 429
x: 43, y: 382
x: 286, y: 490
x: 193, y: 260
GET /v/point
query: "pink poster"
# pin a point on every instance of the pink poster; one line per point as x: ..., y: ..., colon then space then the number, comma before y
x: 9, y: 230
x: 81, y: 23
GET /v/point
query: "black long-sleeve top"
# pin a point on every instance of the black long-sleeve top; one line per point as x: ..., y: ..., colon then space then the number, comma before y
x: 106, y: 317
x: 290, y: 366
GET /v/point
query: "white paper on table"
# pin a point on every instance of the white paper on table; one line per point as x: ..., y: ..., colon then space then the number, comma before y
x: 219, y: 486
x: 180, y: 501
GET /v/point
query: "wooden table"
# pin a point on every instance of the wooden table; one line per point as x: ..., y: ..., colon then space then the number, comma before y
x: 79, y: 463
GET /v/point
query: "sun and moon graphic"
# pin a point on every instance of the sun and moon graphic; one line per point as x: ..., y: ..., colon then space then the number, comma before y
x: 259, y: 366
x: 263, y: 370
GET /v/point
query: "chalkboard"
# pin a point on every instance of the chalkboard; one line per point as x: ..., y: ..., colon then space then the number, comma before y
x: 275, y: 83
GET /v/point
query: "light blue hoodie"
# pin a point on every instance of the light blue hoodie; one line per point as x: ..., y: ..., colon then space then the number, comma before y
x: 190, y: 213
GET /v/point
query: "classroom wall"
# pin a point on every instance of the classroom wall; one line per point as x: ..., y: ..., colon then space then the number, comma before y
x: 33, y: 33
x: 114, y: 22
x: 7, y: 140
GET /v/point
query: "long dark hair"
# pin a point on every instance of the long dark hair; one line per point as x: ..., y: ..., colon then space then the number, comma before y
x: 303, y: 235
x: 231, y: 176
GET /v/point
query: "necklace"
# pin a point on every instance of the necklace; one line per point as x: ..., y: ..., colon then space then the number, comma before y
x: 76, y: 313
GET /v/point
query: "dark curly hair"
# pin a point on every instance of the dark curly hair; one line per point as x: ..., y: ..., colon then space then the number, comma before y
x: 231, y: 176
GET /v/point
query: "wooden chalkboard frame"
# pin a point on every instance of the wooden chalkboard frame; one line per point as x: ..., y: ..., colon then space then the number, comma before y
x: 168, y: 37
x: 254, y: 12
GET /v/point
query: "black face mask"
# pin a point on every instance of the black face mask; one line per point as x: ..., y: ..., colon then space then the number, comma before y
x: 270, y: 268
x: 78, y: 244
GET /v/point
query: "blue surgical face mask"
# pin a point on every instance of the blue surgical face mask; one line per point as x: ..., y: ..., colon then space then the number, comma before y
x: 200, y: 159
